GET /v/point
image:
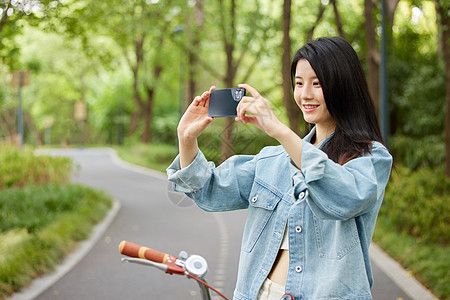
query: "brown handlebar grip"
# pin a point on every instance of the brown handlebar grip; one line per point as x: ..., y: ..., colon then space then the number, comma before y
x: 137, y: 251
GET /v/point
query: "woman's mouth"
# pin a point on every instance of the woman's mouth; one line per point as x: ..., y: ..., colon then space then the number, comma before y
x: 309, y: 107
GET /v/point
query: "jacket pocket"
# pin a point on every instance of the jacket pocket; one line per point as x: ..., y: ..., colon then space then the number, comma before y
x: 262, y: 202
x: 335, y: 238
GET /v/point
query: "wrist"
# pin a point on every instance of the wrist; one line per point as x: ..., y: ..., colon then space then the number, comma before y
x: 188, y: 151
x: 186, y: 138
x: 281, y: 132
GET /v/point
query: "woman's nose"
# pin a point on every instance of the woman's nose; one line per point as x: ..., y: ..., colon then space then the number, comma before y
x: 307, y: 93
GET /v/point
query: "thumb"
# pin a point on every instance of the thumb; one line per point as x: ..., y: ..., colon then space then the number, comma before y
x: 205, y: 122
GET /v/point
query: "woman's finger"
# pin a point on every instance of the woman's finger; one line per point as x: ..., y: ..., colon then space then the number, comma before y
x: 205, y: 98
x: 248, y: 105
x: 196, y: 101
x: 250, y: 89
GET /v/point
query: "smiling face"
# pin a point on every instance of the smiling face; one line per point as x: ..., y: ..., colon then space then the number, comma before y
x: 309, y: 97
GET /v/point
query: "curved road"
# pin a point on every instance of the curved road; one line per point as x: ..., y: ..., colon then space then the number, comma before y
x: 153, y: 216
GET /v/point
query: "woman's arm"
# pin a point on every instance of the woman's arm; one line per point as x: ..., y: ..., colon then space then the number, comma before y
x: 263, y: 117
x: 201, y: 180
x: 222, y: 188
x: 343, y: 192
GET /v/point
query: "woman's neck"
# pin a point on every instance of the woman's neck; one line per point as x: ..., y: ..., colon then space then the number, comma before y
x: 322, y: 132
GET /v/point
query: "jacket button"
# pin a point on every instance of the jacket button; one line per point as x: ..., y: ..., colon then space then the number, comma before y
x: 298, y: 229
x: 255, y: 198
x: 301, y: 195
x: 298, y: 269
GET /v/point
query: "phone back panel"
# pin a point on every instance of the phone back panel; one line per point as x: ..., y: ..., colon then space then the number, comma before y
x: 222, y: 103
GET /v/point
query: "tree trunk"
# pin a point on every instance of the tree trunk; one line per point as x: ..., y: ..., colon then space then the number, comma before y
x: 338, y: 20
x: 148, y: 106
x: 292, y: 110
x: 229, y: 40
x: 442, y: 11
x: 372, y: 54
x: 193, y: 59
x: 148, y: 118
x: 136, y: 95
x: 391, y: 6
x: 134, y: 123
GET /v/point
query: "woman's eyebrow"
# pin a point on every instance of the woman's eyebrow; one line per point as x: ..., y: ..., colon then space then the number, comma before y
x: 300, y: 77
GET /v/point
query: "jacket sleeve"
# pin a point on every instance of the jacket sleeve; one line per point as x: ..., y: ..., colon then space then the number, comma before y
x: 222, y: 188
x: 343, y: 192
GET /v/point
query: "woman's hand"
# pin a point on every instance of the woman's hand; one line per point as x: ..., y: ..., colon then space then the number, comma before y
x: 263, y: 117
x: 195, y: 119
x: 261, y: 114
x: 192, y: 123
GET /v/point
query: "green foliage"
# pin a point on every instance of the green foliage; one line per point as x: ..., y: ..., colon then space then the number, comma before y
x: 110, y: 103
x: 415, y: 152
x: 20, y: 168
x: 39, y: 225
x: 417, y: 204
x: 413, y: 222
x: 428, y: 262
x: 417, y: 86
x: 165, y: 128
x: 14, y: 15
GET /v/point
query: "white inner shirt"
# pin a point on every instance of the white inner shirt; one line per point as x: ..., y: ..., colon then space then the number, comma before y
x: 285, y: 242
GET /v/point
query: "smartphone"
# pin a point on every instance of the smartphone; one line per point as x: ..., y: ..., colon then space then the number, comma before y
x: 223, y: 102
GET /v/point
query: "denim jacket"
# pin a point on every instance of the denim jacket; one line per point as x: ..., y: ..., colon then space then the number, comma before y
x: 330, y: 211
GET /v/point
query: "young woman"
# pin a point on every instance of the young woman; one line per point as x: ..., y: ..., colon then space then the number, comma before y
x: 312, y: 202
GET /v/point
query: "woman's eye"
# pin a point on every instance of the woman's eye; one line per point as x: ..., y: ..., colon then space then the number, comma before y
x: 298, y: 83
x: 316, y: 83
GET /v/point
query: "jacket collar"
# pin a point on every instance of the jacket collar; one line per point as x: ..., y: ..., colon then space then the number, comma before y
x: 309, y: 136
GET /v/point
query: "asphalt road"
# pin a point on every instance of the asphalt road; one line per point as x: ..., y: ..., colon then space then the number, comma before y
x: 153, y: 216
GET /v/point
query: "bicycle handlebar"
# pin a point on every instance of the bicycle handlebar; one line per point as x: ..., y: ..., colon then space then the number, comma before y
x: 138, y: 251
x: 165, y: 262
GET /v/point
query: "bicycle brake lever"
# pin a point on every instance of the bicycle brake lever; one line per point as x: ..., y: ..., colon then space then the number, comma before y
x: 162, y: 267
x: 170, y: 267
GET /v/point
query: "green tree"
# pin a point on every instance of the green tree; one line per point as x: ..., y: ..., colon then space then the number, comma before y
x: 13, y: 16
x: 443, y: 8
x: 58, y: 80
x: 140, y: 29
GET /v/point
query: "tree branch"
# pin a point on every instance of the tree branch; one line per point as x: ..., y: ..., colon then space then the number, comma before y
x: 222, y: 23
x: 5, y: 15
x: 319, y: 17
x: 193, y: 51
x: 338, y: 19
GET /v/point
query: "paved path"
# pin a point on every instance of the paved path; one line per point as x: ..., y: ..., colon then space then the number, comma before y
x: 153, y: 216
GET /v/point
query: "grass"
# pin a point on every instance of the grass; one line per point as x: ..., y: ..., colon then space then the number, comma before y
x: 153, y: 156
x: 39, y: 225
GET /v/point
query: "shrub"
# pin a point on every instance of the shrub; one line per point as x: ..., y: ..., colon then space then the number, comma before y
x: 39, y: 225
x: 416, y: 152
x: 416, y: 202
x: 19, y: 168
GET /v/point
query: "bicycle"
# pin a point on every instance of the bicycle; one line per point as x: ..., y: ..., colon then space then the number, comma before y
x: 193, y: 266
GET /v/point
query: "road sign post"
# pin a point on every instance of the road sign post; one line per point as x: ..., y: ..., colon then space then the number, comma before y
x: 20, y: 79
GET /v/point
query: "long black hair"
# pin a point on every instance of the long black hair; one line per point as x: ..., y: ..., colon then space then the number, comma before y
x: 346, y: 94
